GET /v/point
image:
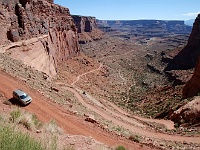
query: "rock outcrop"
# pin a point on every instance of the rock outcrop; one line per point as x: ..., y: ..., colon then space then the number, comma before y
x: 188, y: 114
x: 192, y: 87
x: 51, y: 24
x: 87, y: 29
x: 187, y: 57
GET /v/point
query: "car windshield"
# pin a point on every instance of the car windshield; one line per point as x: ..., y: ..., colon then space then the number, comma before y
x: 23, y: 96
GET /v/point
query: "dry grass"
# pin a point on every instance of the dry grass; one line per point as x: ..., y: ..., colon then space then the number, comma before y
x: 53, y: 128
x: 7, y: 102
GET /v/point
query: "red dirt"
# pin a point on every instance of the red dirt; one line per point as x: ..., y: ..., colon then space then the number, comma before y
x: 46, y: 110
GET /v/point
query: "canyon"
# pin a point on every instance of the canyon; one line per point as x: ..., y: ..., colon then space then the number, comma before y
x: 115, y: 81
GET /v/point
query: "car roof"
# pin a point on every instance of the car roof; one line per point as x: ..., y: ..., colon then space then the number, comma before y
x: 19, y: 92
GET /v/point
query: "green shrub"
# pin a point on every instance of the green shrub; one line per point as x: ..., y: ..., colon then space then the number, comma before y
x: 120, y: 148
x: 135, y: 138
x: 176, y: 125
x: 13, y: 140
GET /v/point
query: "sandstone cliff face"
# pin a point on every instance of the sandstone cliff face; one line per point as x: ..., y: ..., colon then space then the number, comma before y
x: 87, y: 28
x: 190, y: 113
x: 187, y: 57
x: 51, y: 24
x: 192, y: 87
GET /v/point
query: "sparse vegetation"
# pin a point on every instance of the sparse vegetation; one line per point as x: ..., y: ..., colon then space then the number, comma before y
x: 11, y: 139
x: 120, y: 148
x: 28, y: 120
x: 11, y: 136
x: 52, y: 127
x: 135, y: 138
x: 15, y: 114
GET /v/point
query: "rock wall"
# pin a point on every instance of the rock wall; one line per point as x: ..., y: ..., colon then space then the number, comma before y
x: 192, y: 87
x: 26, y: 19
x: 188, y: 56
x: 84, y: 24
x: 87, y: 28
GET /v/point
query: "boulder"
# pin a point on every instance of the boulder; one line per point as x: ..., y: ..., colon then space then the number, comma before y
x: 189, y: 113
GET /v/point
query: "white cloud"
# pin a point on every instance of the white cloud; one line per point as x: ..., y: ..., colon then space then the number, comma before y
x: 191, y: 14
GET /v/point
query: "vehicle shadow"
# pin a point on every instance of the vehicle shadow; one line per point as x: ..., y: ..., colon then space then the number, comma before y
x: 16, y: 102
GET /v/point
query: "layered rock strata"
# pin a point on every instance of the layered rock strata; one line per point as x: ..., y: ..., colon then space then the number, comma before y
x: 26, y: 19
x: 87, y: 28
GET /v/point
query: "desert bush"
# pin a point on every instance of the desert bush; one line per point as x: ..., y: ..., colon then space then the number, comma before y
x: 26, y: 121
x: 120, y: 148
x: 52, y: 127
x: 36, y: 122
x: 135, y: 138
x: 15, y: 114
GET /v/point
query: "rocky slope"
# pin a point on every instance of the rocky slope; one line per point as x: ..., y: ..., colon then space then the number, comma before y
x: 87, y: 28
x: 42, y: 28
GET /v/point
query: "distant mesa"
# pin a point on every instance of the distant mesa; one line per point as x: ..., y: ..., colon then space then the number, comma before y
x: 148, y: 28
x: 189, y: 22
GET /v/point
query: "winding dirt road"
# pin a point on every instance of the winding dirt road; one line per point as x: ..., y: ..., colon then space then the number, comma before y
x: 121, y: 118
x: 78, y: 77
x: 47, y: 110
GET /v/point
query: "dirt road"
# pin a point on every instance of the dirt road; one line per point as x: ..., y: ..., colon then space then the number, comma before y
x: 46, y: 110
x: 128, y: 121
x: 131, y: 124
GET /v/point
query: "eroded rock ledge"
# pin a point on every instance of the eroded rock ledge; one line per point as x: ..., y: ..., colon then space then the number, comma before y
x: 26, y: 19
x: 87, y: 28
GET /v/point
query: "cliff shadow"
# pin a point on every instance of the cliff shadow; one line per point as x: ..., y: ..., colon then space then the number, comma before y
x: 184, y: 60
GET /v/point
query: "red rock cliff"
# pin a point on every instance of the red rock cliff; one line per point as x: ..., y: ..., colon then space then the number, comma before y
x: 26, y: 19
x: 87, y: 28
x: 192, y: 87
x: 188, y: 56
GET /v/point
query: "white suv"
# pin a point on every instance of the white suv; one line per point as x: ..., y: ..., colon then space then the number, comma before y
x: 22, y: 97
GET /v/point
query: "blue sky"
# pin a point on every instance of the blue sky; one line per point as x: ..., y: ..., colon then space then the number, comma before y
x: 134, y: 9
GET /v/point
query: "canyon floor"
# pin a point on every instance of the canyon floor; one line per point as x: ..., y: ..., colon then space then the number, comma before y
x: 91, y: 86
